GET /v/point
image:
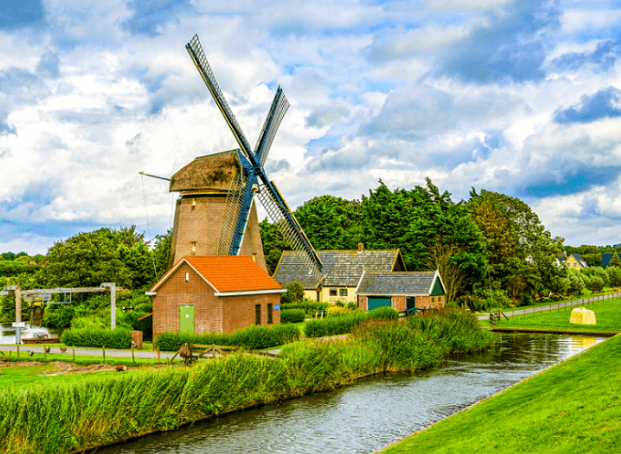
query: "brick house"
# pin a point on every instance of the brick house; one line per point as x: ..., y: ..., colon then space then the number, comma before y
x: 341, y: 271
x: 421, y: 289
x: 214, y: 293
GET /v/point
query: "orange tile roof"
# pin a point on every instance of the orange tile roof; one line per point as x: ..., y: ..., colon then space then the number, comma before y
x: 227, y: 273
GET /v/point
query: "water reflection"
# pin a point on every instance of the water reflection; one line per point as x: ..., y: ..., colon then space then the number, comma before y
x: 7, y: 332
x: 374, y: 412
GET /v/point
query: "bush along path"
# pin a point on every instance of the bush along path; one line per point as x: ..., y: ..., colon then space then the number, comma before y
x: 107, y: 409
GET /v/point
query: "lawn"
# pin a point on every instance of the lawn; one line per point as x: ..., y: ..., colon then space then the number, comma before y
x: 573, y: 407
x: 607, y: 316
x: 31, y: 374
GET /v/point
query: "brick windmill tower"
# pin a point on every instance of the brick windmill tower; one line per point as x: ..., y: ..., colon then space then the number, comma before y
x: 216, y: 213
x: 204, y: 186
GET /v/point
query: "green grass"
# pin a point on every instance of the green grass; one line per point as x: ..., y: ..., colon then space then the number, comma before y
x: 573, y: 407
x: 15, y: 377
x: 82, y: 360
x: 607, y: 316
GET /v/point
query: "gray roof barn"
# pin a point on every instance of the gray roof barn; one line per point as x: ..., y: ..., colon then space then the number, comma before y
x: 413, y: 283
x: 340, y: 268
x: 606, y: 258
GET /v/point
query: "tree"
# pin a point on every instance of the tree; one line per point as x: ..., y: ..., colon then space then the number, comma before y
x: 88, y: 259
x: 161, y: 252
x: 331, y: 222
x: 615, y: 261
x: 430, y: 229
x: 295, y: 293
x: 273, y: 244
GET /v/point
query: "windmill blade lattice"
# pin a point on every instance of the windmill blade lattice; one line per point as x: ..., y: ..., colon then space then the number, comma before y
x: 277, y: 112
x: 292, y: 232
x: 197, y: 54
x: 241, y: 193
x: 232, y: 210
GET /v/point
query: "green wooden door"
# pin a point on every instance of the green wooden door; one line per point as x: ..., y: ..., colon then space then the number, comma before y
x: 186, y: 318
x: 378, y: 301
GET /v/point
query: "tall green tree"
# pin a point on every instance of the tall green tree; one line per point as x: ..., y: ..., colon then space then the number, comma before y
x: 273, y: 244
x: 430, y: 230
x: 105, y: 255
x: 331, y: 222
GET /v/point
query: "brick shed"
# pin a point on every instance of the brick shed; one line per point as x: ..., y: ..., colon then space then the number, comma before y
x: 214, y: 293
x: 421, y: 289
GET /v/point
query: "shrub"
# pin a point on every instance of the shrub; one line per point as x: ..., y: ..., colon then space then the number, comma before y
x: 334, y: 310
x: 383, y: 313
x: 614, y: 276
x: 308, y: 306
x: 333, y: 326
x: 292, y: 315
x: 251, y: 337
x: 352, y: 306
x: 295, y: 293
x: 97, y: 338
x: 473, y: 302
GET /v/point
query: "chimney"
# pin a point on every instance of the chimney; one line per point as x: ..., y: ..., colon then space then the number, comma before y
x: 360, y: 248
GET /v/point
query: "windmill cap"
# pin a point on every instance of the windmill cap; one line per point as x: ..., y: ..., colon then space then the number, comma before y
x: 212, y: 172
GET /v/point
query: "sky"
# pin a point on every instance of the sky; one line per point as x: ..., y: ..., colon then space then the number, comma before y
x: 520, y: 97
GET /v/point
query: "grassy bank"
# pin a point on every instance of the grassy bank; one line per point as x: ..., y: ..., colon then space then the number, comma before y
x: 574, y: 407
x: 607, y: 316
x: 101, y: 410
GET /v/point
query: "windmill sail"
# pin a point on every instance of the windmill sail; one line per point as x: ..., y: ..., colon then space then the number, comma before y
x: 241, y: 193
x: 277, y: 112
x: 232, y: 210
x: 197, y: 54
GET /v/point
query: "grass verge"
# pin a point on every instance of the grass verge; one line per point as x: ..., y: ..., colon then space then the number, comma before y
x: 574, y: 407
x: 607, y: 316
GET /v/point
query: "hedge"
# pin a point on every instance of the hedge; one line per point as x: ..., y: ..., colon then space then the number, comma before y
x: 333, y: 326
x: 97, y: 337
x: 251, y: 337
x: 308, y: 306
x: 292, y: 315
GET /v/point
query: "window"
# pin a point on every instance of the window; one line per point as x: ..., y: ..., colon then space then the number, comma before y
x: 343, y: 292
x: 254, y: 257
x: 433, y: 300
x: 269, y: 314
x: 193, y: 247
x: 193, y: 204
x: 257, y: 314
x: 332, y: 292
x: 187, y: 277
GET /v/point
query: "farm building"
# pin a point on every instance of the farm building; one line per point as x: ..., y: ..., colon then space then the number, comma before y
x: 574, y: 261
x: 341, y: 272
x: 401, y: 291
x: 214, y: 293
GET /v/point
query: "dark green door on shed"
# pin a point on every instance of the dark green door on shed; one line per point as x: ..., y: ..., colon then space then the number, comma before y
x: 378, y: 301
x: 186, y: 318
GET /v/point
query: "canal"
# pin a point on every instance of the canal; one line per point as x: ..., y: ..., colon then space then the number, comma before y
x: 374, y: 412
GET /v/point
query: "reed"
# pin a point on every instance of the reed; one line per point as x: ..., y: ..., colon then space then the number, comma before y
x: 106, y: 409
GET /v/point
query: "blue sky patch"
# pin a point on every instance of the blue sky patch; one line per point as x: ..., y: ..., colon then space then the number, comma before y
x: 603, y: 104
x: 15, y: 14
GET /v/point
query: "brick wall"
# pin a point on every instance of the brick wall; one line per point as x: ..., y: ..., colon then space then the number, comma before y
x: 198, y: 220
x: 211, y: 313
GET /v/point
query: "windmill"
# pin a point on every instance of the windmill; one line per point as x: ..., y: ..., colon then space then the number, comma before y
x: 243, y: 170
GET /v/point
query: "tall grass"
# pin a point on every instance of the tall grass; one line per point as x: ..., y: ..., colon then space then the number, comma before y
x: 100, y: 410
x: 343, y: 324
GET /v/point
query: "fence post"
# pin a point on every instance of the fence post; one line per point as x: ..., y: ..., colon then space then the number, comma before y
x: 73, y: 348
x: 158, y: 354
x: 103, y: 349
x: 44, y: 353
x: 18, y: 350
x: 133, y: 359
